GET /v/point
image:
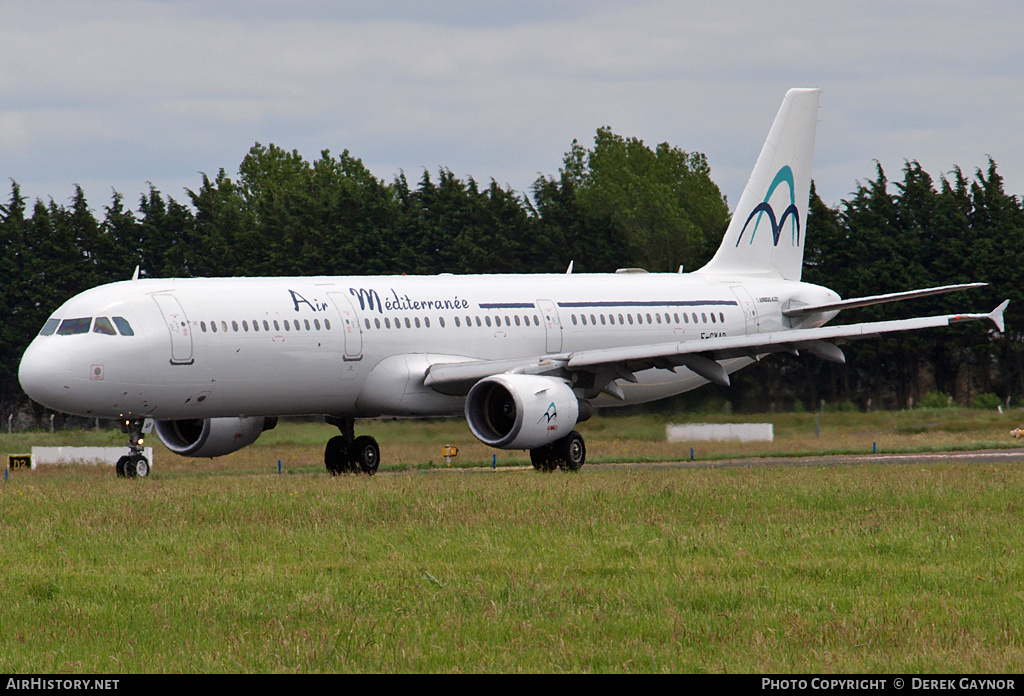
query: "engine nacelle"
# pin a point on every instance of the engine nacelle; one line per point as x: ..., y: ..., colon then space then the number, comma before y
x: 514, y: 411
x: 212, y: 437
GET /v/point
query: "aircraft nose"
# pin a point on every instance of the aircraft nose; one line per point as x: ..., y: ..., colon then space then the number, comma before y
x: 45, y: 373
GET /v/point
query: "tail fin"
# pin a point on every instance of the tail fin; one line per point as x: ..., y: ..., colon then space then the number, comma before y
x: 766, y: 235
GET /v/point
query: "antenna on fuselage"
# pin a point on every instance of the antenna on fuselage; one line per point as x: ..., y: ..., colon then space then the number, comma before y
x: 135, y: 275
x: 568, y: 271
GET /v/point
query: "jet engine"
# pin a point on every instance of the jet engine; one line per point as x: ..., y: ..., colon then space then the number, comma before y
x: 515, y: 411
x: 212, y: 437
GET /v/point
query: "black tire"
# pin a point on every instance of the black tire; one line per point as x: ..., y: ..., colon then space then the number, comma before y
x: 366, y: 454
x: 120, y: 466
x: 336, y: 456
x: 129, y: 468
x: 572, y: 451
x: 141, y: 466
x: 543, y: 458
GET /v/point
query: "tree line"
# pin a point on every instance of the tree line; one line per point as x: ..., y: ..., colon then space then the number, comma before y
x: 619, y: 203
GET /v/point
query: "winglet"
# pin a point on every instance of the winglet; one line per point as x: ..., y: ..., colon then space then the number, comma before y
x: 996, y: 316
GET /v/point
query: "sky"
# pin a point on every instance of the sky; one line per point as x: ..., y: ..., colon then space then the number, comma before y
x: 115, y: 95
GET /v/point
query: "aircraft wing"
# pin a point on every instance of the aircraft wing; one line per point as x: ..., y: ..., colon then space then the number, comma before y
x: 699, y: 355
x: 879, y: 299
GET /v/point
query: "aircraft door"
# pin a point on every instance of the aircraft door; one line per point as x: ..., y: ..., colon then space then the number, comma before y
x: 350, y: 326
x: 177, y: 325
x: 748, y: 307
x: 552, y: 326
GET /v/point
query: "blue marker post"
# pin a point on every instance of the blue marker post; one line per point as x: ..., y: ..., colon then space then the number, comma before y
x: 278, y: 467
x: 691, y: 454
x: 494, y: 461
x: 874, y: 448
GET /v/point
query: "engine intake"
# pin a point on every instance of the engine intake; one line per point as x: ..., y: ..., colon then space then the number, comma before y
x: 513, y: 411
x: 212, y: 437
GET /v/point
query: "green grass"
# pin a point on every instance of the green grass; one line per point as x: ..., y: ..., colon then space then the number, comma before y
x: 745, y: 569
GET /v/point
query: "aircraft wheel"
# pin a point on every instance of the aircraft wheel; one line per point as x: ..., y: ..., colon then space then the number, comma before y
x: 572, y: 451
x: 120, y: 466
x: 130, y: 470
x: 366, y: 454
x: 543, y: 458
x: 141, y: 466
x: 335, y: 456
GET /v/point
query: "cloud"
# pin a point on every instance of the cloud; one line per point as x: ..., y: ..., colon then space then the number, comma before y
x: 105, y: 90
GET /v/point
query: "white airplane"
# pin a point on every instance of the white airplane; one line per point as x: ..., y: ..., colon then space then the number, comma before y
x: 215, y: 361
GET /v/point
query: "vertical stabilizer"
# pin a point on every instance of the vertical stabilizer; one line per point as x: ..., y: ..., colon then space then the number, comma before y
x: 766, y: 235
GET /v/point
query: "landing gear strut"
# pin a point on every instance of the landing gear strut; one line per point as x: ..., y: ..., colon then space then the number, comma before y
x: 347, y: 453
x: 134, y: 463
x: 569, y: 453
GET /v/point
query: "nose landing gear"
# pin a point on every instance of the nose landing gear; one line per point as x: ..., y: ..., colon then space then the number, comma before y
x: 134, y: 464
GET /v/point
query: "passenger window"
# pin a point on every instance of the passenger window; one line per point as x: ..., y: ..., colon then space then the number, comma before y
x: 574, y: 322
x: 202, y: 325
x: 327, y: 324
x: 488, y: 319
x: 49, y: 327
x: 266, y: 326
x: 306, y: 322
x: 713, y: 318
x: 408, y: 324
x: 255, y: 325
x: 69, y: 327
x: 224, y: 325
x: 316, y: 324
x: 417, y: 322
x: 376, y: 322
x: 367, y: 321
x: 721, y: 317
x: 517, y: 321
x: 234, y: 326
x: 441, y: 319
x: 704, y: 317
x: 245, y: 326
x: 457, y: 322
x: 103, y: 326
x: 277, y: 327
x: 213, y: 326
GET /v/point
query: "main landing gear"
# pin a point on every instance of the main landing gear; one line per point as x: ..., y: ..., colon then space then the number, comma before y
x: 569, y: 453
x: 347, y: 453
x: 134, y: 463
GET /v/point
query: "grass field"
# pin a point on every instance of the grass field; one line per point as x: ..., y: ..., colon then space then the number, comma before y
x: 229, y: 567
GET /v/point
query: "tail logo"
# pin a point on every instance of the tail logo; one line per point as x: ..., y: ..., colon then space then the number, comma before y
x: 785, y: 176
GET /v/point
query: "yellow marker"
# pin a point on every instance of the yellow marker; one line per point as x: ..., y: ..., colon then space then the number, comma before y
x: 449, y: 451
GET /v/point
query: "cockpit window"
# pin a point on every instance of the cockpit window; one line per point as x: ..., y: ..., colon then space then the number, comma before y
x: 123, y: 326
x: 49, y: 327
x: 103, y: 326
x: 69, y: 327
